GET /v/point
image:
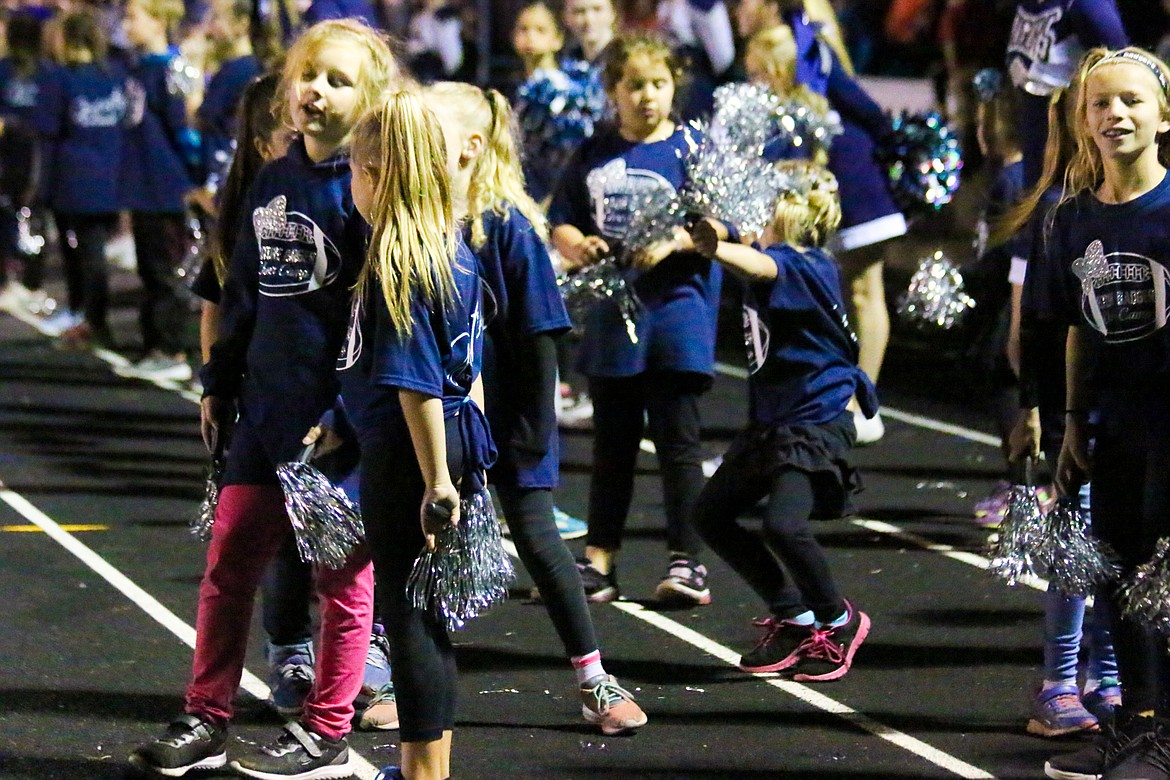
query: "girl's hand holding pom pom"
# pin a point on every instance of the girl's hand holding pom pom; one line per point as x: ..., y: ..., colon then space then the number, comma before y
x: 706, y: 235
x: 587, y: 252
x: 647, y: 258
x: 212, y: 411
x: 326, y: 439
x: 1075, y: 465
x: 440, y: 508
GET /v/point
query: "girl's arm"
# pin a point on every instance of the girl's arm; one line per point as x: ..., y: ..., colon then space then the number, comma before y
x: 750, y: 264
x: 1075, y: 465
x: 847, y: 97
x: 578, y: 249
x: 424, y: 418
x: 208, y: 328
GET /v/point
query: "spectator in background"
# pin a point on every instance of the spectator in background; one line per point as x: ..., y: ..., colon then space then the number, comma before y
x: 700, y: 31
x: 973, y: 35
x: 435, y: 41
x: 592, y: 25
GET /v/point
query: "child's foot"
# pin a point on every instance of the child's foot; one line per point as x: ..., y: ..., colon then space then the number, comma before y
x: 381, y: 714
x: 1102, y: 702
x: 828, y: 653
x: 778, y: 648
x: 569, y: 527
x: 1058, y: 710
x: 188, y: 743
x: 599, y: 588
x: 610, y: 706
x: 158, y: 366
x: 685, y: 584
x: 291, y: 676
x: 298, y: 754
x: 377, y: 672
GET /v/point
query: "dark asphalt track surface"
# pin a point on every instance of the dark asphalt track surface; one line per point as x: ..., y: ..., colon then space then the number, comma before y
x: 90, y: 668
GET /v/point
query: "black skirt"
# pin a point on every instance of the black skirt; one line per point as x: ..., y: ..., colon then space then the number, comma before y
x: 817, y: 450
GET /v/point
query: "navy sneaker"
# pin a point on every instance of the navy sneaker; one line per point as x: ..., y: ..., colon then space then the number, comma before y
x: 1058, y: 711
x: 685, y: 584
x: 599, y: 588
x: 390, y: 773
x: 188, y: 743
x: 377, y: 672
x: 298, y: 754
x: 1103, y: 701
x: 290, y: 676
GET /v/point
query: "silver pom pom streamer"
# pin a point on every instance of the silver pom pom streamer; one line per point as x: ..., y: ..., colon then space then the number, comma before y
x: 1145, y: 594
x: 202, y: 523
x: 1073, y: 560
x: 603, y: 280
x: 732, y: 187
x: 936, y: 297
x: 749, y: 116
x: 923, y: 159
x: 326, y: 524
x: 468, y: 571
x: 1013, y: 550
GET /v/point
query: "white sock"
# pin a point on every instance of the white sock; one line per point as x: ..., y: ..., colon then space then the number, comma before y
x: 588, y: 666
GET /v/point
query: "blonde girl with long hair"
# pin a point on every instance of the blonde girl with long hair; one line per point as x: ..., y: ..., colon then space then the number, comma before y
x: 282, y: 323
x: 413, y: 387
x: 793, y: 454
x: 1109, y: 242
x: 507, y: 232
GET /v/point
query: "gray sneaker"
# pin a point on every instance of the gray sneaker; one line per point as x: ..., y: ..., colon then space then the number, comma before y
x: 298, y: 754
x: 157, y: 367
x: 188, y: 744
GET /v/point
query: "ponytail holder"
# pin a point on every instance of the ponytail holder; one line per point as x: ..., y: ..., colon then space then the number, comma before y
x: 1138, y: 58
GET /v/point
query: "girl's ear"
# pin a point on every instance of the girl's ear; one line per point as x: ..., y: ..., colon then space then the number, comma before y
x: 472, y: 148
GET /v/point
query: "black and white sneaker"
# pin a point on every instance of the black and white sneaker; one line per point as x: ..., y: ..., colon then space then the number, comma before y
x: 599, y: 588
x: 298, y: 754
x: 685, y: 584
x: 188, y: 743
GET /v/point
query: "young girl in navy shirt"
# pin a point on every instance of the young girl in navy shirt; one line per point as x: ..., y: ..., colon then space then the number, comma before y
x: 1109, y: 237
x: 506, y: 230
x: 803, y: 361
x: 412, y: 385
x: 284, y: 309
x: 81, y: 113
x: 671, y: 364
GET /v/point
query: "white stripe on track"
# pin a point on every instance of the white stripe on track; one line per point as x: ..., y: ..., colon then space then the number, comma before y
x: 147, y: 603
x: 916, y: 420
x: 807, y: 695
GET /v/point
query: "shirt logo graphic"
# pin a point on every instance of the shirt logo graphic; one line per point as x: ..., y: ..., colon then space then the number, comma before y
x: 108, y: 111
x: 296, y: 256
x: 1123, y: 294
x: 756, y: 337
x: 612, y: 190
x: 351, y: 350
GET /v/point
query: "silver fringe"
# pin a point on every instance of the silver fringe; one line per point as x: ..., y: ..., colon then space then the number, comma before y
x: 1145, y: 594
x: 1076, y: 563
x: 326, y: 524
x: 202, y: 523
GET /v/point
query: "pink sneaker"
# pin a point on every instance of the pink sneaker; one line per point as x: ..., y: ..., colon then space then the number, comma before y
x: 990, y: 511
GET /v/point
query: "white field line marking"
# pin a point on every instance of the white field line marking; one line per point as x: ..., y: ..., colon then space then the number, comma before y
x: 808, y: 695
x: 146, y: 602
x: 896, y: 414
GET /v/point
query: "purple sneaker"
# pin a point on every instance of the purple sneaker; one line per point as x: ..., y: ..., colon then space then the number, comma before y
x: 1103, y: 702
x: 1058, y: 710
x: 990, y: 511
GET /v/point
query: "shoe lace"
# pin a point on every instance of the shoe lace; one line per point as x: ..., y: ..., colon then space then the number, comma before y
x: 185, y: 737
x: 1064, y: 702
x: 820, y: 645
x: 771, y: 627
x: 608, y: 693
x: 297, y: 673
x: 384, y: 695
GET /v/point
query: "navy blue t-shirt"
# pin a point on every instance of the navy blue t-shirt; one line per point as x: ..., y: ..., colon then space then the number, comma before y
x: 20, y: 93
x: 1116, y: 276
x: 285, y: 304
x: 81, y: 116
x: 1006, y: 190
x: 514, y: 264
x: 217, y: 112
x: 155, y: 174
x: 802, y: 354
x: 1048, y: 39
x: 680, y: 296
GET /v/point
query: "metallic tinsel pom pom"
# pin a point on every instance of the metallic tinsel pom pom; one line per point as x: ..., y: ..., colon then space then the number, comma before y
x: 936, y: 297
x: 201, y: 524
x: 923, y: 159
x: 1145, y: 594
x: 29, y: 241
x: 604, y: 279
x: 326, y: 524
x: 1013, y: 551
x: 469, y: 570
x: 1074, y: 561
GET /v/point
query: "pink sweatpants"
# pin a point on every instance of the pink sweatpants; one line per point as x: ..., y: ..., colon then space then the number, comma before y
x: 250, y: 524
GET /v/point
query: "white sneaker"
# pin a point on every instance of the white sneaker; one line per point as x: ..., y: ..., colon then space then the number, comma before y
x: 120, y: 251
x: 576, y: 412
x: 14, y: 297
x: 157, y: 367
x: 61, y: 321
x: 869, y: 431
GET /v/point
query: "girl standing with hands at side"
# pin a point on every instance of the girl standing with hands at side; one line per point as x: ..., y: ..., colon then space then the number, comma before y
x: 671, y: 364
x: 1110, y: 234
x: 411, y: 381
x: 803, y: 361
x: 282, y: 322
x: 506, y: 231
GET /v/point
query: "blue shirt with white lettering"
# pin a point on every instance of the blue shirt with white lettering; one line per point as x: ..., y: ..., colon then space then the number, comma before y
x: 514, y: 264
x: 286, y: 301
x: 81, y: 116
x: 155, y: 168
x: 1115, y: 265
x: 679, y: 297
x: 20, y: 92
x: 802, y: 355
x: 217, y: 112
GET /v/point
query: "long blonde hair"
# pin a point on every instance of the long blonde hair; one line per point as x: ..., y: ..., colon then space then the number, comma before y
x: 379, y: 71
x: 399, y: 142
x: 807, y: 214
x: 497, y: 180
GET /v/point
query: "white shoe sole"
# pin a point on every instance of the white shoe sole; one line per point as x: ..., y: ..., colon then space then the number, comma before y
x: 332, y: 772
x: 211, y: 762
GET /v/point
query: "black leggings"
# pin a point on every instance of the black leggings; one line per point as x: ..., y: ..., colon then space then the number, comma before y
x: 670, y: 400
x: 1131, y: 510
x: 787, y: 533
x: 160, y: 243
x: 421, y: 654
x: 529, y: 512
x: 83, y: 250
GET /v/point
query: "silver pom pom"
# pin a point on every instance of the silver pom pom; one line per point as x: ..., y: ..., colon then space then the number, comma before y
x: 1075, y: 562
x: 604, y: 279
x: 936, y: 296
x: 1013, y: 551
x: 202, y: 523
x: 326, y: 524
x: 469, y: 570
x: 1145, y: 594
x: 29, y: 242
